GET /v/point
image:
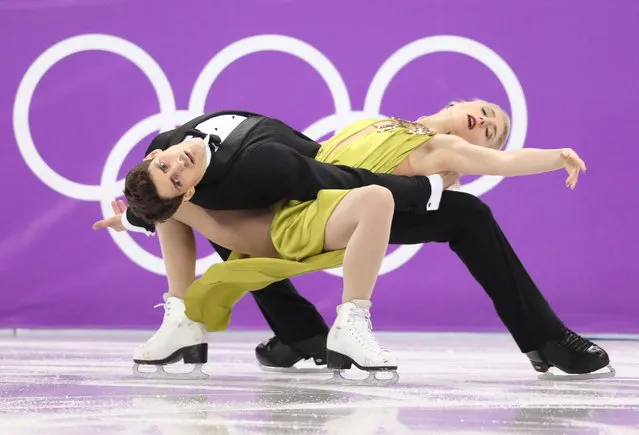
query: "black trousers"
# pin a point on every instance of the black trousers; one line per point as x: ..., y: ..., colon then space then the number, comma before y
x: 468, y: 225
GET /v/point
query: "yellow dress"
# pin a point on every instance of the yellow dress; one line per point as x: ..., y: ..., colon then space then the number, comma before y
x: 298, y: 227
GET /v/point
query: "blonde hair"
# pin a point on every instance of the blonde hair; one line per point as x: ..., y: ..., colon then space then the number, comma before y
x: 501, y: 140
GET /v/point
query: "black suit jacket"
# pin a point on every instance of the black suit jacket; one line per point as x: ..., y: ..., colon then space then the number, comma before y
x: 263, y: 161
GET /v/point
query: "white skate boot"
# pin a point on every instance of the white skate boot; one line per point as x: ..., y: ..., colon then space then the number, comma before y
x: 351, y: 341
x: 177, y: 339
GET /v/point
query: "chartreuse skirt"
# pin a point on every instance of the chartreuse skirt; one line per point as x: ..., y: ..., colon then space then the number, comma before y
x: 298, y: 227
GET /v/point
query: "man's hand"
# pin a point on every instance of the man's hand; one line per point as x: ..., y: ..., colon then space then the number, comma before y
x: 113, y: 222
x: 449, y: 178
x: 573, y: 165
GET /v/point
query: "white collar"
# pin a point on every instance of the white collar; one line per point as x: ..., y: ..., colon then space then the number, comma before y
x: 207, y: 149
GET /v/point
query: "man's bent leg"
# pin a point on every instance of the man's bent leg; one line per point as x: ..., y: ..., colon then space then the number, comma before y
x: 469, y: 226
x: 300, y: 331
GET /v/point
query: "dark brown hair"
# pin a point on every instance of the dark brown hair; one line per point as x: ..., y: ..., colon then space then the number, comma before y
x: 143, y: 198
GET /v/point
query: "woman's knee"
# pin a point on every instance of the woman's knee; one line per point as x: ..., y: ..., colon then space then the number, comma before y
x: 374, y: 198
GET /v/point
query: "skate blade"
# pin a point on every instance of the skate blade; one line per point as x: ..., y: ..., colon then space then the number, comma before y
x: 162, y: 374
x: 371, y: 381
x: 295, y: 370
x: 606, y: 372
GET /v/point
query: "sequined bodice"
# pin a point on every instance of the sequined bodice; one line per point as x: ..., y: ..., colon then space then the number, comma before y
x: 411, y: 127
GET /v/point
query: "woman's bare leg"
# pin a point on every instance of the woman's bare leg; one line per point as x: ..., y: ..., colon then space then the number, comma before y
x: 177, y: 243
x: 177, y: 333
x: 361, y: 224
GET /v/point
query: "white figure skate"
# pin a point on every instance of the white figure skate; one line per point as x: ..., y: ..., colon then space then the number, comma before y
x: 351, y: 341
x: 178, y: 339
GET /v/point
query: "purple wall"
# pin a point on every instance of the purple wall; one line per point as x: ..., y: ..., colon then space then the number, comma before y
x: 568, y: 72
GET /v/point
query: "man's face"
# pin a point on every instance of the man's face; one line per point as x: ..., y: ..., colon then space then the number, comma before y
x: 176, y: 170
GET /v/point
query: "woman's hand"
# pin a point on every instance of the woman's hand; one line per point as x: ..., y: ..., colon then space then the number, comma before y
x: 573, y: 165
x: 113, y: 222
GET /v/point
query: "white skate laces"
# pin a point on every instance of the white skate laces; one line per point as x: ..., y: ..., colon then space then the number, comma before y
x: 169, y: 302
x: 167, y: 298
x: 363, y: 329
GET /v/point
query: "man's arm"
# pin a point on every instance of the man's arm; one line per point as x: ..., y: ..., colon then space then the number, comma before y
x: 124, y: 219
x: 277, y: 171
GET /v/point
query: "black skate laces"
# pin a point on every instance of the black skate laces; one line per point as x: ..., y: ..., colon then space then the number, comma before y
x: 271, y: 341
x: 574, y: 341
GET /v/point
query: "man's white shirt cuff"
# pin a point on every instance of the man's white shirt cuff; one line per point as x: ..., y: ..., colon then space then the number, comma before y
x: 436, y: 189
x: 130, y: 227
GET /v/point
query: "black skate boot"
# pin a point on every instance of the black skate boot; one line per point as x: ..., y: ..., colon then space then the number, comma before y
x: 274, y: 355
x: 572, y: 354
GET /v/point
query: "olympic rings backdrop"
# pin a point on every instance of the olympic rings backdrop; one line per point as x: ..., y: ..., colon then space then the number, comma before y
x: 84, y: 89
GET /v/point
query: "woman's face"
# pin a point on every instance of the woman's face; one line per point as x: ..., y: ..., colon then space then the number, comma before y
x: 478, y: 122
